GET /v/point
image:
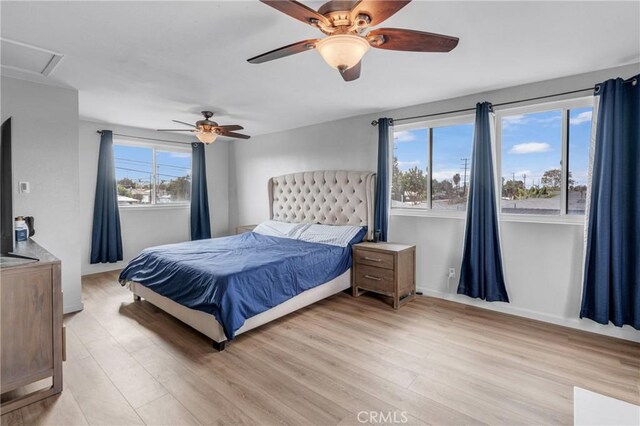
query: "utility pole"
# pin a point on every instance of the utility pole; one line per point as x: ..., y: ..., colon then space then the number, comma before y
x: 464, y: 181
x: 524, y: 178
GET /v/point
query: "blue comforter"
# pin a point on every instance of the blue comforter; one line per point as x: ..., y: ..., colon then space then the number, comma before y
x: 237, y: 277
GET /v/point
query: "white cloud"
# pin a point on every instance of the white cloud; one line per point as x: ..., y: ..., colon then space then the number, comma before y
x: 513, y: 120
x: 530, y: 148
x: 549, y: 120
x: 517, y: 120
x: 404, y: 136
x: 583, y: 117
x: 441, y: 175
x: 406, y: 165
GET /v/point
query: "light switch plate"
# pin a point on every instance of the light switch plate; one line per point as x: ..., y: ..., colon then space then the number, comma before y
x: 24, y: 187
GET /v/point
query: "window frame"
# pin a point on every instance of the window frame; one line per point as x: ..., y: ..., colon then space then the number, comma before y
x: 453, y: 120
x: 155, y: 146
x: 565, y: 106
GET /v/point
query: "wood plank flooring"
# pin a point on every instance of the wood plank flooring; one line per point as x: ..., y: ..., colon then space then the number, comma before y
x: 432, y: 362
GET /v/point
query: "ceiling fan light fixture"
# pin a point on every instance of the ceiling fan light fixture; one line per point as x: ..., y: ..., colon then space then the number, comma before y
x: 342, y: 51
x: 206, y: 137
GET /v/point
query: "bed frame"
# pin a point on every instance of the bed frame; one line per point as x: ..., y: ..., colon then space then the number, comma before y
x: 325, y: 197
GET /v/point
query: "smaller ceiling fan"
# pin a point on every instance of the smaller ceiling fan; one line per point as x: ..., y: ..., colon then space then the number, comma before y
x: 346, y: 24
x: 207, y: 130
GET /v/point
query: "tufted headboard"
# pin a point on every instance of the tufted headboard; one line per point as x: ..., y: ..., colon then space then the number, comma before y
x: 327, y: 197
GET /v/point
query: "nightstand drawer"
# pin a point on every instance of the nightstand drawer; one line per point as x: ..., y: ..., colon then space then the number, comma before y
x: 375, y: 279
x: 374, y: 258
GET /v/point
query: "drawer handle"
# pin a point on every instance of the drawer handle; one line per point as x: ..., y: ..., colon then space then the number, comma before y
x: 371, y: 277
x: 372, y: 259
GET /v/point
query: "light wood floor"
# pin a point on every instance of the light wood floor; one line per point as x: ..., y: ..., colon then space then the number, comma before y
x: 435, y: 361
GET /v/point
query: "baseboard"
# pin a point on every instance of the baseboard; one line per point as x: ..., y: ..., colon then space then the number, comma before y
x: 68, y: 309
x: 104, y: 268
x: 626, y: 332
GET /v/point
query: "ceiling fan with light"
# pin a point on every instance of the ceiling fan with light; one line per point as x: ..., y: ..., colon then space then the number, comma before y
x: 207, y: 130
x: 346, y: 24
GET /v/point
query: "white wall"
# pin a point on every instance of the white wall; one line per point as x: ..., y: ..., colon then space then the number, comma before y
x: 146, y: 227
x: 45, y: 153
x: 542, y: 262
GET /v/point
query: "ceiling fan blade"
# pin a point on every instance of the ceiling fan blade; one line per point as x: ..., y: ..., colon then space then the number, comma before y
x: 281, y: 52
x: 297, y: 11
x: 411, y: 40
x: 377, y: 10
x: 175, y: 130
x: 234, y: 135
x: 352, y: 73
x: 182, y: 122
x: 230, y: 128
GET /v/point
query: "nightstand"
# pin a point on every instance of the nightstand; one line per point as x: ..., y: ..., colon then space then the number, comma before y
x: 244, y: 228
x: 385, y: 268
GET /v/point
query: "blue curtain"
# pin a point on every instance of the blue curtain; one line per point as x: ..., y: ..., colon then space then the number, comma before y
x: 381, y: 221
x: 200, y: 225
x: 106, y: 238
x: 481, y: 273
x: 611, y: 287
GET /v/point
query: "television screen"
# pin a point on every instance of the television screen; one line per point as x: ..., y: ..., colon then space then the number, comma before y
x: 6, y: 190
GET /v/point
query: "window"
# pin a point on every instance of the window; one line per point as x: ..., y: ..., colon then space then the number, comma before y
x: 544, y: 158
x: 409, y: 182
x: 578, y: 161
x: 431, y: 165
x: 152, y: 175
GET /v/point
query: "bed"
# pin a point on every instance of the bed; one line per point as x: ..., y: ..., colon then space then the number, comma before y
x: 309, y: 199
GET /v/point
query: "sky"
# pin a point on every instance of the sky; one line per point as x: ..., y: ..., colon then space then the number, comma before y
x: 136, y: 162
x: 531, y: 144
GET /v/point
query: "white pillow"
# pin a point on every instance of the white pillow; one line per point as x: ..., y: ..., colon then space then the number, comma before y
x: 274, y: 228
x: 337, y: 235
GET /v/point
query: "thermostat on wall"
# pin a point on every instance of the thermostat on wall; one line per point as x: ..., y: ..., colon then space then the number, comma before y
x: 24, y: 187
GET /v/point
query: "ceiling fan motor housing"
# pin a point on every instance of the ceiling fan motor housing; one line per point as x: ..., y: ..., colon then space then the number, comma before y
x: 206, y: 125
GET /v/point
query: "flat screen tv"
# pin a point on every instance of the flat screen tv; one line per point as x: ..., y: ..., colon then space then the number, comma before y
x: 6, y: 194
x: 6, y: 190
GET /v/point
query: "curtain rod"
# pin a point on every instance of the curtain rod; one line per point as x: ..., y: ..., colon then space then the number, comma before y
x: 149, y: 139
x: 596, y: 90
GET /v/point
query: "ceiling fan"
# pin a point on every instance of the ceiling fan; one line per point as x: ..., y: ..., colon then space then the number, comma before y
x: 207, y: 130
x: 346, y: 24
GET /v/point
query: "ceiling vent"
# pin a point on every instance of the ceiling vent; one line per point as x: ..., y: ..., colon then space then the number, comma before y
x: 27, y: 58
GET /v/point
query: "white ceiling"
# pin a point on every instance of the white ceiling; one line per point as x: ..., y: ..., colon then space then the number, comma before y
x: 144, y: 63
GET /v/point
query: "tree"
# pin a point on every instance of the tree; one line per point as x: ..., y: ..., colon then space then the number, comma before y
x: 456, y: 181
x: 126, y: 183
x: 414, y: 185
x: 553, y: 178
x: 442, y: 190
x: 125, y: 192
x: 179, y: 188
x: 512, y: 189
x: 396, y: 181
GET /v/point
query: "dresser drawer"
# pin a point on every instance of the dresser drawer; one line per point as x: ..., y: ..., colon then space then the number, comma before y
x: 375, y: 279
x: 373, y: 258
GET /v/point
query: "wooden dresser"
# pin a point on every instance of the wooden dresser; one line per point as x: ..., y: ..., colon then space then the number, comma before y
x: 385, y: 268
x: 31, y: 332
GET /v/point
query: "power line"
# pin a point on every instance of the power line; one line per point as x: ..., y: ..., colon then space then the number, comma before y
x: 148, y: 172
x: 151, y: 163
